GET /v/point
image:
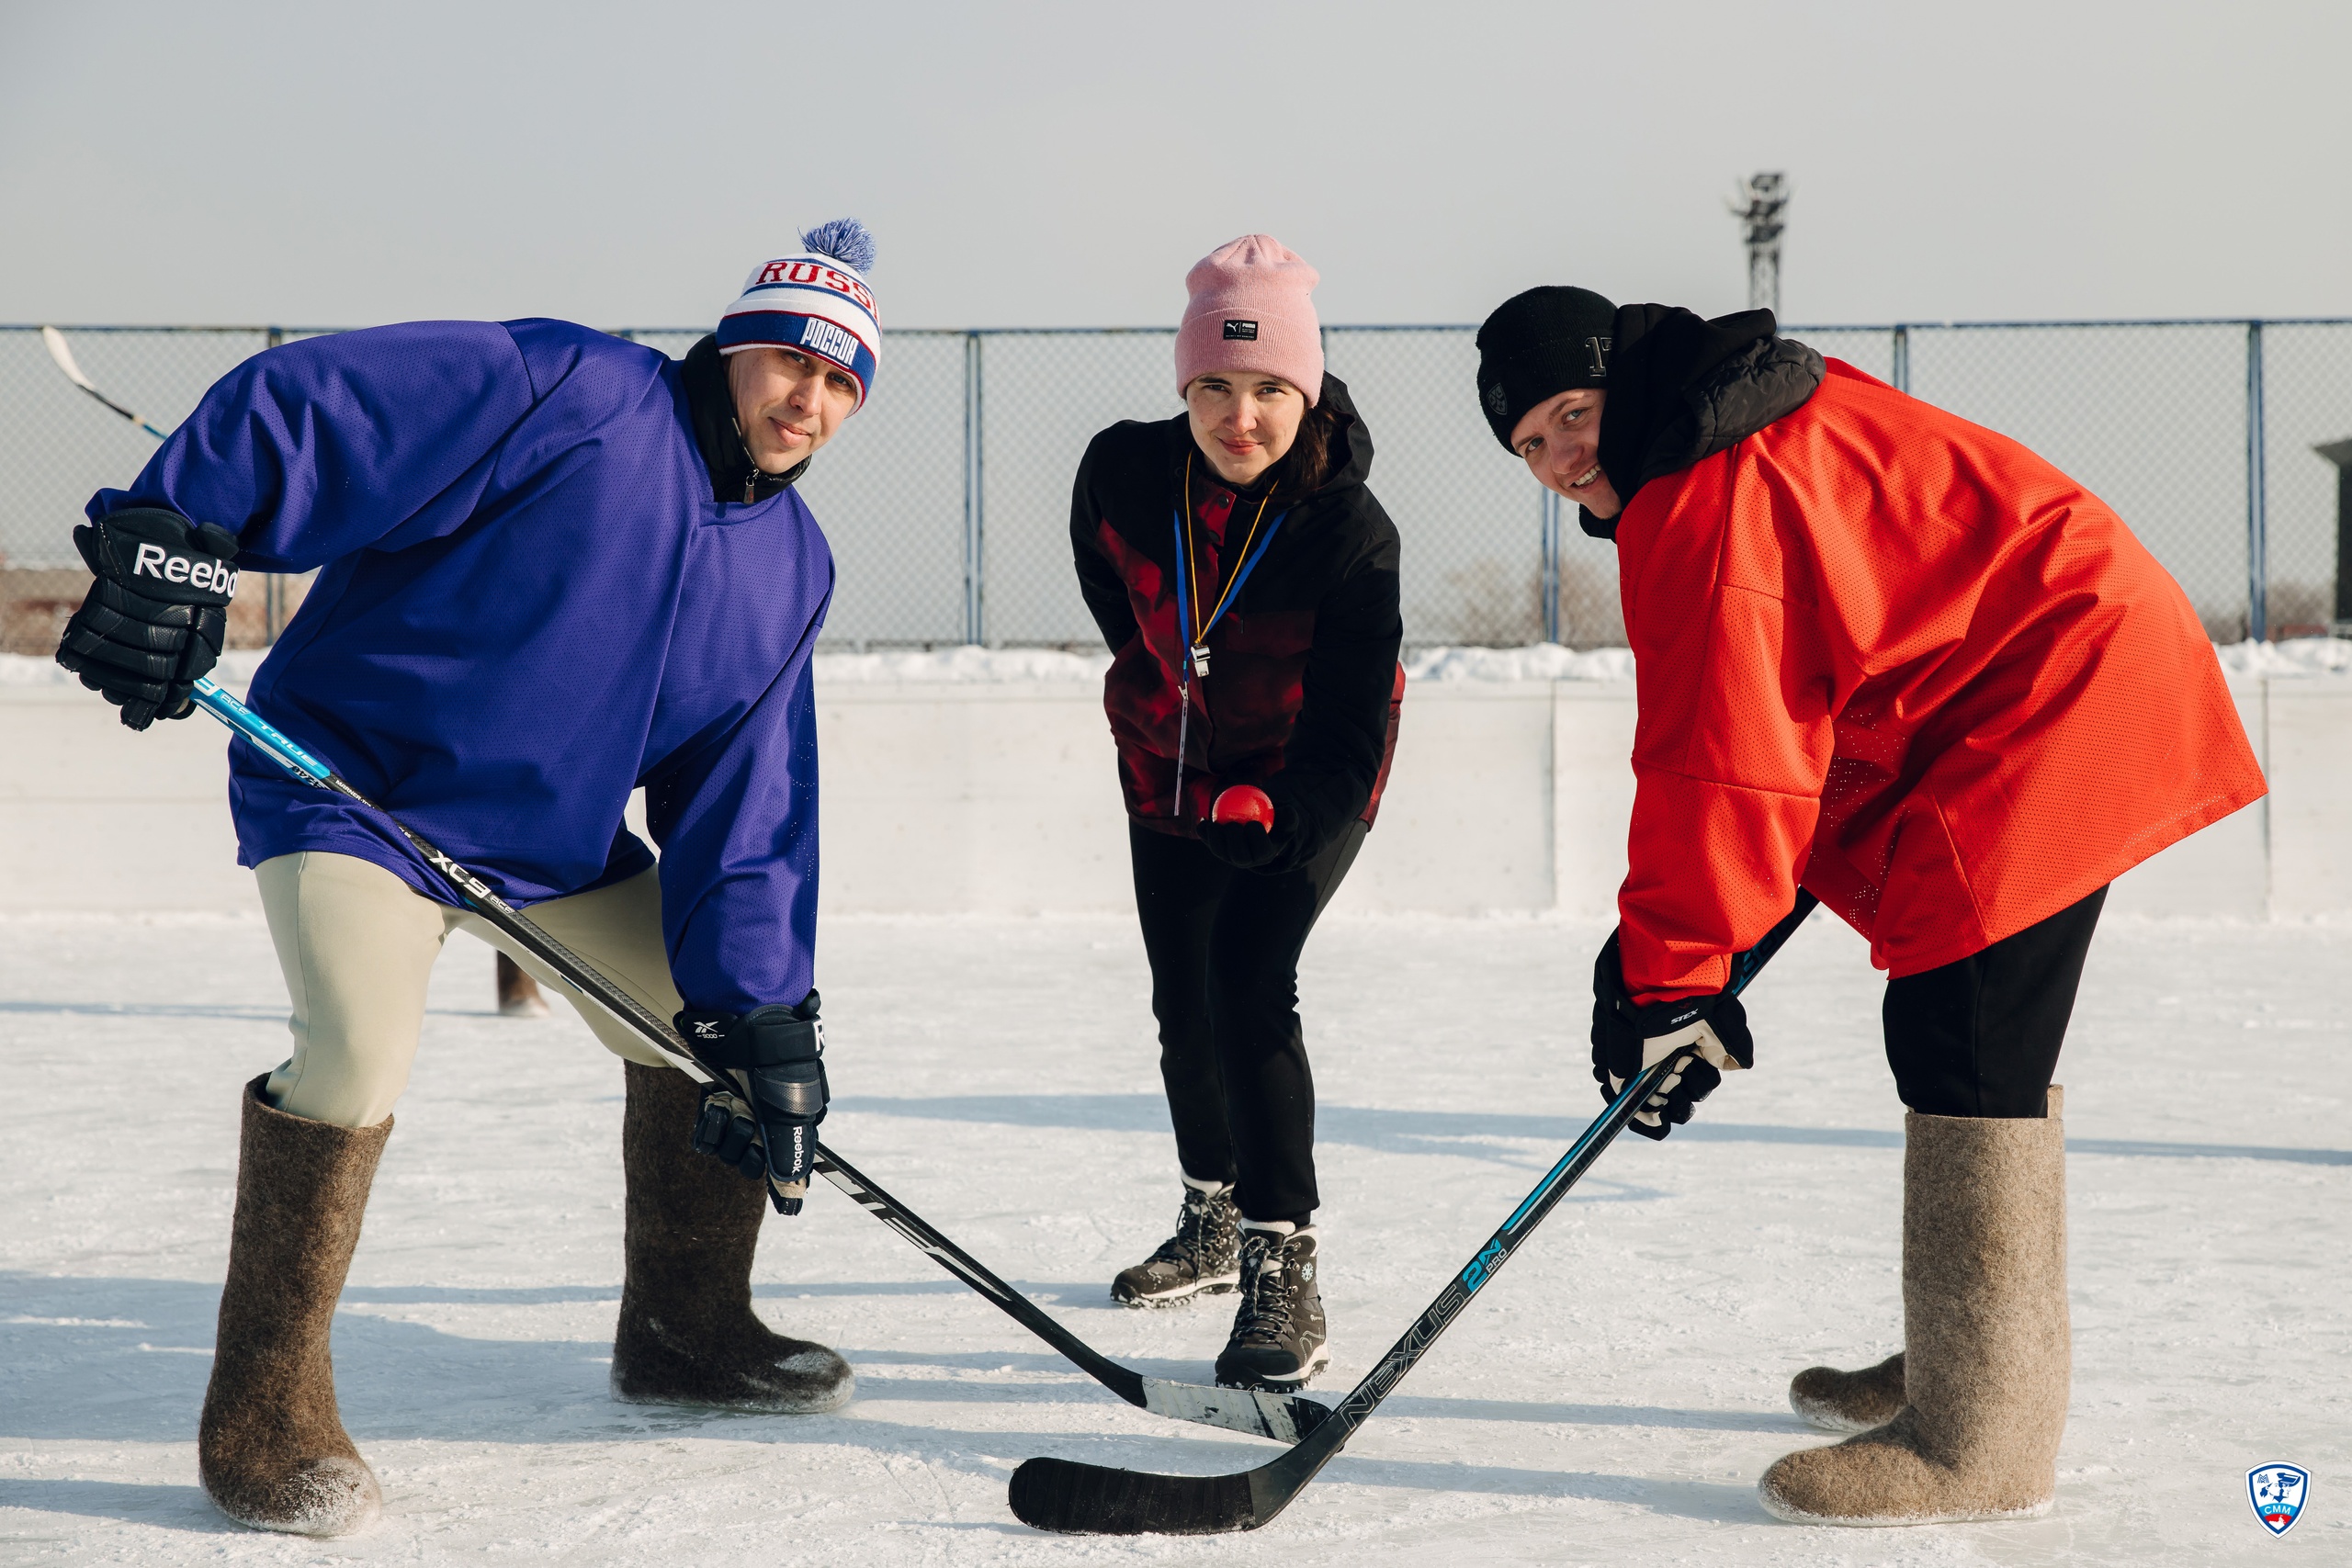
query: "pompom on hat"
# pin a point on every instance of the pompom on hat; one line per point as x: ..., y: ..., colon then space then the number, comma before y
x: 815, y: 302
x: 1249, y: 310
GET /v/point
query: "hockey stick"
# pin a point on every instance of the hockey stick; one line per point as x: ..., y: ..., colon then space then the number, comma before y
x: 1088, y: 1499
x: 64, y: 353
x: 1283, y: 1417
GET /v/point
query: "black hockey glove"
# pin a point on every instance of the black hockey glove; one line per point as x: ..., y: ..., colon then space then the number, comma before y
x: 154, y: 621
x: 762, y: 1116
x: 1711, y: 1031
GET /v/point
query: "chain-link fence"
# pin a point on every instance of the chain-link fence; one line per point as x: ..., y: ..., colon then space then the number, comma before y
x: 947, y: 499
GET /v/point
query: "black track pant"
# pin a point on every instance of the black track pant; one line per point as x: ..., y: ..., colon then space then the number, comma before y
x: 1223, y: 946
x: 1980, y: 1037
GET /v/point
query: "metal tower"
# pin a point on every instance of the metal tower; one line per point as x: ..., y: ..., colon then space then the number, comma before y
x: 1757, y: 207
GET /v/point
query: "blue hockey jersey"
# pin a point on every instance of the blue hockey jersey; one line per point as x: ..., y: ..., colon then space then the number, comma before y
x: 530, y: 604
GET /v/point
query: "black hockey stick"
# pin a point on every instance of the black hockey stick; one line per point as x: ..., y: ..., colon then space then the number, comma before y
x: 1090, y: 1499
x: 1283, y: 1417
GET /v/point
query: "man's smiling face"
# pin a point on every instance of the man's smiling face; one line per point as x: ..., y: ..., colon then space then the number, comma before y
x: 1560, y: 440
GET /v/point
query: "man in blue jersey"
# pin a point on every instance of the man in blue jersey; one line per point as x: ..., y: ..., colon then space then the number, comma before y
x: 554, y: 567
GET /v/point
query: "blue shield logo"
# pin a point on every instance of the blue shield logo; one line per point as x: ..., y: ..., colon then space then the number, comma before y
x: 2276, y: 1492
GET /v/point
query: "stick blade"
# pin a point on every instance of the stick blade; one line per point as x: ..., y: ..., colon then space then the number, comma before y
x: 1087, y: 1499
x: 1284, y: 1418
x: 62, y: 353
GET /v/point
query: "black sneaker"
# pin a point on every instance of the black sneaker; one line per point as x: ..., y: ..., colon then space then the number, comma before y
x: 1278, y: 1340
x: 1201, y: 1258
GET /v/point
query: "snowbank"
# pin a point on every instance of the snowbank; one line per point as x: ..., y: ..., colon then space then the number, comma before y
x: 2299, y: 658
x: 25, y: 670
x: 980, y: 665
x: 19, y: 669
x: 1545, y: 661
x: 2295, y: 658
x: 954, y: 665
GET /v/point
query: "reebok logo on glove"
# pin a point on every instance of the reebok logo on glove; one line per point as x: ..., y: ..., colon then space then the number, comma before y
x: 156, y: 618
x: 197, y: 572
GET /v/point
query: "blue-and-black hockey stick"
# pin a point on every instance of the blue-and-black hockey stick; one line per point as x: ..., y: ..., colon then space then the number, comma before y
x: 1284, y: 1418
x: 1091, y: 1499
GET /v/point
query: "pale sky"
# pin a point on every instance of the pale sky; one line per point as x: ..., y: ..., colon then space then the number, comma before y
x: 1062, y: 164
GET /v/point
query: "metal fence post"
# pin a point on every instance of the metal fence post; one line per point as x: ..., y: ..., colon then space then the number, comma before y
x: 975, y: 496
x: 1548, y: 522
x: 1902, y: 364
x: 2258, y: 565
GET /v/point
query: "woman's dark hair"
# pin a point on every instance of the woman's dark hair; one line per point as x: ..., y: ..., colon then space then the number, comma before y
x: 1308, y: 462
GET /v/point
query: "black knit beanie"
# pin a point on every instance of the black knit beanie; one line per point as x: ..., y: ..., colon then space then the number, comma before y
x: 1537, y: 345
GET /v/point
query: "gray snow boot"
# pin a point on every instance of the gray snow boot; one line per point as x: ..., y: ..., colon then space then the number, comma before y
x: 1277, y: 1339
x: 1201, y: 1258
x: 687, y: 1333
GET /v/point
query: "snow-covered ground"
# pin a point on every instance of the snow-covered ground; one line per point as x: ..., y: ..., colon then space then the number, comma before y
x: 1610, y: 1399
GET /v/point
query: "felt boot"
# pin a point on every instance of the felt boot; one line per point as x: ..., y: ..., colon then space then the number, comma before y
x: 271, y: 1449
x: 687, y: 1333
x: 1987, y: 1358
x: 1848, y: 1401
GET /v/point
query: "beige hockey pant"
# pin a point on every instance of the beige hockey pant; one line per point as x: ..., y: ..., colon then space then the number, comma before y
x: 358, y: 945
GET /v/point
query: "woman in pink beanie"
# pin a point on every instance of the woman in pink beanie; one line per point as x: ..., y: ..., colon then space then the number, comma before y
x: 1246, y: 582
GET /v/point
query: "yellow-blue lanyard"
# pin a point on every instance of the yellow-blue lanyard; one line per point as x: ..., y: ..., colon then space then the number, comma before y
x: 1195, y: 658
x: 1188, y: 593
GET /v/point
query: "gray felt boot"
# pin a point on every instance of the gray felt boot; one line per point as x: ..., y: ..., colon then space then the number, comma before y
x: 1988, y: 1360
x: 687, y: 1333
x: 1848, y: 1401
x: 271, y: 1449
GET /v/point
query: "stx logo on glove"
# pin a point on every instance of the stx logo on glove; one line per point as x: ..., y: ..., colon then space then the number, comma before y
x: 197, y: 572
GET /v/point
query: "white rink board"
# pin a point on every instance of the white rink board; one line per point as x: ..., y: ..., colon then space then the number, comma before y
x: 1002, y: 797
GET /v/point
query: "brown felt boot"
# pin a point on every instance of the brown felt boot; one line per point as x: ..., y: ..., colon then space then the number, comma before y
x: 1987, y: 1363
x: 1848, y: 1401
x: 271, y: 1448
x: 687, y: 1333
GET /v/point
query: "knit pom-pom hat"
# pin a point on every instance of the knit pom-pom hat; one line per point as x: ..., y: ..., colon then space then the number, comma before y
x: 1249, y: 311
x: 817, y: 302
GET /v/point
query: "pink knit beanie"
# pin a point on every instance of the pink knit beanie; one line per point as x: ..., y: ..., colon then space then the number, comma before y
x: 1249, y: 310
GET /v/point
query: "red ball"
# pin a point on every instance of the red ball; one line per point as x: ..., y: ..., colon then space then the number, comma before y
x: 1244, y: 803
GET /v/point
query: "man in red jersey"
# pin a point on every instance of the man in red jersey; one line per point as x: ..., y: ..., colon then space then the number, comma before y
x: 1897, y: 660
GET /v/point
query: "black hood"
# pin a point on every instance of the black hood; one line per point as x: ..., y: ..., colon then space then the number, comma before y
x: 1348, y: 455
x: 734, y: 478
x: 1681, y: 389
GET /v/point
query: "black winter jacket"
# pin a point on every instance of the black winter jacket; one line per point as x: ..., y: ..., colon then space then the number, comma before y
x: 1304, y: 690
